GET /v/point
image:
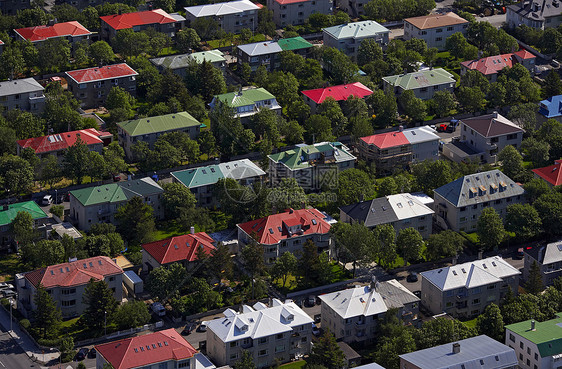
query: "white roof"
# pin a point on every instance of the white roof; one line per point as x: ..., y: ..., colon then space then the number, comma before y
x: 406, y: 206
x: 240, y: 169
x: 261, y: 48
x: 355, y: 302
x: 420, y: 134
x: 229, y: 7
x: 278, y: 318
x: 202, y: 362
x: 361, y: 29
x: 472, y: 274
x: 423, y: 198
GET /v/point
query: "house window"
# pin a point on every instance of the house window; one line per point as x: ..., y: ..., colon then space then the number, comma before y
x: 233, y: 343
x: 183, y: 364
x: 279, y: 336
x: 511, y: 337
x: 69, y: 303
x: 437, y: 39
x: 439, y: 30
x: 262, y: 340
x: 233, y: 356
x: 449, y: 28
x: 280, y: 348
x: 262, y: 353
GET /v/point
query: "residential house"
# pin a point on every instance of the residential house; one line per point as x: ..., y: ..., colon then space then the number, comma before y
x: 98, y: 204
x: 355, y: 8
x: 59, y: 230
x: 458, y: 204
x: 157, y: 19
x: 280, y: 332
x: 178, y: 64
x: 434, y: 28
x: 464, y: 290
x: 424, y: 83
x: 538, y: 345
x: 247, y: 102
x: 401, y: 211
x: 67, y: 282
x: 492, y: 65
x: 309, y: 164
x: 11, y: 7
x: 149, y: 129
x: 57, y: 144
x: 9, y: 212
x: 267, y: 52
x: 353, y: 315
x: 286, y: 232
x: 551, y: 108
x: 73, y: 32
x: 91, y: 86
x: 550, y: 174
x: 548, y: 259
x: 24, y: 94
x: 165, y: 349
x: 475, y: 352
x: 339, y: 93
x: 296, y: 12
x: 179, y: 249
x: 347, y: 37
x: 202, y: 180
x: 231, y: 16
x: 539, y: 14
x: 395, y: 150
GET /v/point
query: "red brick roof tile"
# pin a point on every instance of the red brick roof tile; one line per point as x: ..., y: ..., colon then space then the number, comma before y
x: 40, y: 33
x: 129, y: 20
x: 61, y: 141
x: 99, y: 74
x: 179, y: 248
x: 386, y: 140
x: 338, y: 93
x: 552, y: 174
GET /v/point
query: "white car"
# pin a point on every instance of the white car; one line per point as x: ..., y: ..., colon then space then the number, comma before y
x: 46, y: 200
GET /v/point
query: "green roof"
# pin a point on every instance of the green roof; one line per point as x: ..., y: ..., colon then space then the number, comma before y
x: 304, y: 156
x: 294, y: 43
x: 361, y: 29
x: 116, y: 192
x: 8, y: 215
x: 161, y: 123
x: 197, y: 177
x: 421, y: 79
x: 546, y: 335
x: 184, y: 60
x: 245, y: 97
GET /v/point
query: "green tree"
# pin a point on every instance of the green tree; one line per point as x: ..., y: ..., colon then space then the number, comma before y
x: 284, y: 266
x: 414, y: 107
x: 490, y: 323
x: 440, y: 331
x: 538, y: 152
x: 523, y: 220
x: 444, y: 244
x: 511, y: 162
x: 409, y: 244
x: 549, y: 207
x: 119, y: 98
x: 114, y: 158
x: 444, y: 103
x: 354, y: 243
x: 319, y: 129
x: 286, y: 194
x: 17, y: 174
x: 353, y: 185
x: 490, y: 229
x: 50, y: 171
x: 386, y: 241
x: 368, y: 51
x: 326, y: 352
x: 207, y: 143
x: 25, y: 124
x: 22, y: 227
x: 187, y: 39
x: 175, y: 197
x: 132, y: 314
x: 331, y: 109
x: 53, y: 54
x: 246, y: 361
x: 220, y: 262
x: 340, y: 66
x: 535, y: 188
x: 101, y: 53
x: 431, y: 174
x: 76, y: 161
x: 100, y: 304
x: 165, y: 282
x: 552, y: 84
x: 135, y: 221
x: 252, y: 255
x: 534, y: 283
x: 129, y: 43
x: 292, y: 131
x: 459, y: 47
x: 47, y: 317
x: 472, y: 99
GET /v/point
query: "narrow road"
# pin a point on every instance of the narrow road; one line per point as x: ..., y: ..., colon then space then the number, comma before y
x: 12, y: 356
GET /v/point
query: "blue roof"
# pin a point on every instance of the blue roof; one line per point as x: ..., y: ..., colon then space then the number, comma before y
x: 551, y: 107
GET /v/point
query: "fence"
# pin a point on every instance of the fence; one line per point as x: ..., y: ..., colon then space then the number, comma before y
x: 118, y: 334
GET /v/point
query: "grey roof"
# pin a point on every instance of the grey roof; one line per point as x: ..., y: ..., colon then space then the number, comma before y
x: 369, y: 366
x: 475, y: 352
x: 394, y: 294
x: 462, y: 149
x: 361, y: 29
x: 420, y: 134
x: 19, y: 86
x: 348, y: 351
x: 478, y: 188
x: 221, y: 9
x: 548, y: 8
x: 548, y: 254
x: 261, y: 48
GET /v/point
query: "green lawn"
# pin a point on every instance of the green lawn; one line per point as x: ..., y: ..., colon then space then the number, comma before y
x: 10, y: 265
x: 215, y: 44
x: 470, y: 323
x: 170, y: 229
x: 294, y: 365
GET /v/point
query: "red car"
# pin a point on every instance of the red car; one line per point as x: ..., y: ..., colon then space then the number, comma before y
x: 442, y: 128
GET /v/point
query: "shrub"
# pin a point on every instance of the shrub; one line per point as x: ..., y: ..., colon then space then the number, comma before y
x: 25, y: 324
x: 5, y: 302
x: 67, y: 356
x: 47, y: 342
x: 57, y: 210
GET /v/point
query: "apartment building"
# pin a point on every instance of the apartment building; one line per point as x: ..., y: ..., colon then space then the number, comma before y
x: 11, y: 7
x: 550, y: 174
x: 401, y: 211
x: 492, y: 65
x: 178, y: 64
x: 296, y: 12
x: 268, y: 53
x: 464, y: 290
x: 340, y: 93
x: 24, y: 94
x: 231, y: 16
x: 57, y: 144
x: 279, y: 333
x: 202, y: 180
x: 538, y: 345
x: 91, y: 86
x: 9, y: 212
x: 149, y: 129
x: 353, y: 315
x: 287, y: 232
x: 98, y: 204
x: 67, y: 282
x: 355, y: 8
x: 539, y: 14
x: 347, y: 37
x: 157, y: 19
x: 309, y: 164
x: 434, y: 28
x: 549, y: 260
x: 475, y: 352
x: 424, y: 83
x: 247, y: 102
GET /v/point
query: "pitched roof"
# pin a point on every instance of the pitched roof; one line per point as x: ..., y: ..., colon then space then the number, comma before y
x: 272, y: 229
x: 75, y: 273
x: 436, y: 20
x: 478, y: 188
x: 490, y: 64
x: 183, y: 60
x: 475, y: 352
x: 306, y: 156
x: 141, y: 351
x: 229, y: 7
x: 129, y: 20
x: 61, y: 141
x: 361, y: 29
x: 260, y: 48
x: 161, y: 123
x: 420, y: 79
x: 8, y: 214
x: 243, y: 98
x: 116, y: 192
x: 338, y: 93
x: 472, y: 274
x: 552, y: 174
x: 386, y: 140
x: 524, y: 54
x: 20, y: 86
x: 103, y: 73
x: 294, y: 43
x: 551, y: 107
x: 40, y: 33
x: 547, y: 335
x: 259, y: 321
x: 210, y: 174
x: 547, y: 9
x: 286, y: 2
x: 549, y: 254
x: 179, y: 248
x: 420, y: 134
x: 492, y: 125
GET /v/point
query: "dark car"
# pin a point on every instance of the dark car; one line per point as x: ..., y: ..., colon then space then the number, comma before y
x: 187, y: 330
x: 450, y: 128
x: 520, y: 254
x: 116, y: 177
x: 310, y: 301
x: 92, y: 353
x: 81, y: 354
x: 412, y: 277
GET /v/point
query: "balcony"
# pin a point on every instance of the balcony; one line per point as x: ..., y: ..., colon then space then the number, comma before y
x: 247, y: 345
x: 360, y: 323
x: 36, y: 99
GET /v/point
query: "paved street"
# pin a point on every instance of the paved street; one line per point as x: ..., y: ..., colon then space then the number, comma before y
x: 11, y: 355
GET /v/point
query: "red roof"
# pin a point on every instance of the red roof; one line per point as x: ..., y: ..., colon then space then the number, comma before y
x: 98, y: 74
x: 274, y: 228
x: 41, y: 33
x: 75, y: 273
x: 338, y: 93
x: 61, y: 141
x: 258, y: 5
x: 524, y: 54
x: 386, y: 140
x: 152, y: 348
x: 129, y: 20
x: 285, y: 2
x: 179, y: 248
x: 551, y: 174
x: 491, y: 64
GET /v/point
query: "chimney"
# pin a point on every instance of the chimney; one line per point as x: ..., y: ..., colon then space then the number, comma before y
x: 192, y: 230
x: 291, y: 211
x: 120, y: 12
x: 400, y: 128
x: 362, y: 197
x: 480, y: 252
x: 539, y: 257
x: 495, y: 114
x: 456, y: 348
x: 533, y: 325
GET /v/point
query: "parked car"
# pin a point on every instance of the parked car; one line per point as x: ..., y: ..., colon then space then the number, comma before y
x: 441, y: 128
x: 520, y: 254
x: 92, y: 353
x: 202, y: 327
x: 81, y: 354
x: 315, y: 330
x: 9, y: 293
x: 116, y: 177
x: 4, y: 285
x: 46, y: 200
x: 187, y: 330
x: 412, y: 277
x: 310, y: 301
x: 158, y: 309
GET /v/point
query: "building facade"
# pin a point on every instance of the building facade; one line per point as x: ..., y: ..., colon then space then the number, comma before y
x: 539, y: 14
x: 141, y: 21
x: 296, y: 12
x: 434, y: 28
x: 230, y: 16
x: 247, y: 102
x: 24, y: 94
x: 424, y: 83
x: 548, y: 259
x: 347, y: 37
x: 340, y: 93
